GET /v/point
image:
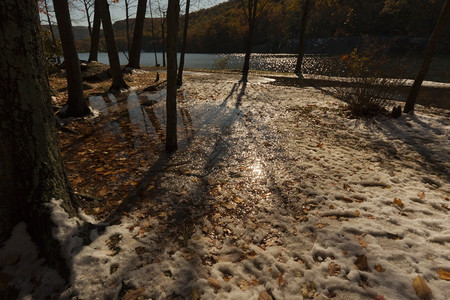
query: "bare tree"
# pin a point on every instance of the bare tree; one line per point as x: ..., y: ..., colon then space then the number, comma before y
x: 32, y: 170
x: 153, y: 31
x: 301, y: 40
x: 50, y: 26
x: 252, y: 9
x: 411, y: 100
x: 183, y: 46
x: 113, y: 55
x: 173, y: 11
x: 135, y: 52
x: 76, y: 106
x: 162, y: 23
x: 95, y: 36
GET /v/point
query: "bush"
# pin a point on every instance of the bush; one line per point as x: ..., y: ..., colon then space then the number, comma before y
x: 366, y: 88
x: 221, y: 62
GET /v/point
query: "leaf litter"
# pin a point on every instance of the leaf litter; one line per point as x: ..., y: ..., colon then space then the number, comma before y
x: 262, y: 200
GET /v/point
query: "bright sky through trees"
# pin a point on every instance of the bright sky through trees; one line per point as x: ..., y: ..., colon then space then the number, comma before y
x: 118, y: 10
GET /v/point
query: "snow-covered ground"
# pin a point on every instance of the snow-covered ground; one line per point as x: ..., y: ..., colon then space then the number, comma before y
x: 274, y: 194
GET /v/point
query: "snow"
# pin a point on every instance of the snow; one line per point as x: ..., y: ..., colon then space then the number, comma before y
x: 293, y: 185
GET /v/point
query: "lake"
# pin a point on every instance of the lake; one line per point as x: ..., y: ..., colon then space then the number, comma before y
x: 313, y: 64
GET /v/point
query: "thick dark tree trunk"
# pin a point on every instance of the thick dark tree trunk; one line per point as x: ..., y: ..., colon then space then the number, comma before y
x: 183, y: 46
x: 171, y: 100
x: 113, y: 55
x: 301, y: 39
x: 135, y: 53
x: 50, y: 26
x: 95, y: 37
x: 31, y: 168
x: 76, y: 105
x: 411, y: 100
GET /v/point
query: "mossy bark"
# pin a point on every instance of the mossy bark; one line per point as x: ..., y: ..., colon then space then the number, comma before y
x: 31, y: 168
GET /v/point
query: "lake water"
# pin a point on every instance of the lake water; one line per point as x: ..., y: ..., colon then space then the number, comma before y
x: 313, y: 64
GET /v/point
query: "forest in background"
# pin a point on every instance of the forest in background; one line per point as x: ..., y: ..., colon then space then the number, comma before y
x: 406, y: 24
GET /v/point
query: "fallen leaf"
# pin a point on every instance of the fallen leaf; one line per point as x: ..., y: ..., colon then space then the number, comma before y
x: 308, y: 290
x: 379, y: 268
x: 321, y: 225
x: 421, y: 195
x: 399, y: 202
x: 421, y: 288
x: 195, y: 295
x: 364, y: 244
x: 357, y: 213
x: 334, y: 269
x: 361, y: 263
x: 320, y: 145
x: 265, y: 296
x: 243, y: 284
x: 134, y: 294
x: 444, y: 274
x: 281, y: 281
x: 214, y: 283
x: 380, y: 297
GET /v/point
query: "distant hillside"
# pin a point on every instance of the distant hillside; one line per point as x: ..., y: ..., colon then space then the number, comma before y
x: 223, y: 28
x: 79, y: 32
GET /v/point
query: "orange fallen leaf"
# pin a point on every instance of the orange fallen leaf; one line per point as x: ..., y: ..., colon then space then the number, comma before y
x: 281, y: 281
x: 243, y: 284
x: 379, y: 268
x: 364, y: 244
x: 361, y: 263
x: 214, y: 283
x: 444, y: 274
x: 399, y: 202
x: 421, y: 288
x: 421, y: 195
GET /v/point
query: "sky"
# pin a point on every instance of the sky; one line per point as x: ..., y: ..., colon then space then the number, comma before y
x: 118, y: 9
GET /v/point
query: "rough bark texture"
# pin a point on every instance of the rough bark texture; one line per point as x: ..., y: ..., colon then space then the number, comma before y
x: 411, y: 100
x: 183, y: 46
x: 95, y: 37
x: 114, y: 62
x: 171, y: 101
x: 76, y: 105
x: 31, y: 168
x: 135, y: 53
x: 301, y: 39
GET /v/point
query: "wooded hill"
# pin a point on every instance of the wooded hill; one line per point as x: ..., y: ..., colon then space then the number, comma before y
x: 222, y: 28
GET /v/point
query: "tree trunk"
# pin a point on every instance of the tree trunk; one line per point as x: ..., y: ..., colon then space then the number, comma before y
x: 171, y: 100
x: 135, y: 53
x: 301, y: 40
x: 31, y: 168
x: 117, y: 80
x: 183, y: 47
x: 76, y: 106
x: 127, y: 22
x: 95, y: 37
x: 411, y: 100
x: 153, y: 32
x: 50, y: 26
x: 163, y: 46
x: 88, y: 17
x: 248, y: 53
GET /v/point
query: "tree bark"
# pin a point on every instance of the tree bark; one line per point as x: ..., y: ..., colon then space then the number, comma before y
x: 95, y: 37
x: 183, y: 46
x: 171, y: 100
x: 301, y: 39
x: 163, y: 46
x: 117, y: 80
x: 153, y: 32
x: 31, y: 168
x: 135, y: 53
x: 76, y: 106
x: 411, y: 100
